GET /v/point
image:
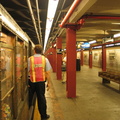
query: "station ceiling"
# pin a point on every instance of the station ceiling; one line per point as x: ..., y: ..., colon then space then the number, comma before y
x: 20, y: 11
x: 101, y: 18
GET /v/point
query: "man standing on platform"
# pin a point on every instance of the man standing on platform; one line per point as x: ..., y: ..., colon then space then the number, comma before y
x: 39, y: 72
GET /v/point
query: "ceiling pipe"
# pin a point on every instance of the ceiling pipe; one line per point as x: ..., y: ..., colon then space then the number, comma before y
x: 39, y: 27
x: 33, y: 19
x: 70, y: 11
x: 101, y: 17
x: 57, y: 20
x: 118, y: 41
x: 60, y: 12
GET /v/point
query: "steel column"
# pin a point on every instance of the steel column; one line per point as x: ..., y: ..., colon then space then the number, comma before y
x: 103, y: 58
x: 81, y: 60
x: 54, y: 59
x: 59, y: 58
x: 71, y: 62
x: 90, y: 58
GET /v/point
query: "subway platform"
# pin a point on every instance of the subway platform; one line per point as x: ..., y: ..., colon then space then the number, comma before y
x: 94, y: 101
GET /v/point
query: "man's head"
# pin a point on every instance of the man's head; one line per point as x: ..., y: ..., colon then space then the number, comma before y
x: 38, y: 49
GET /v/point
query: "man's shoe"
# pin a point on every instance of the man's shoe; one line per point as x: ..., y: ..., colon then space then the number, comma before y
x: 45, y: 118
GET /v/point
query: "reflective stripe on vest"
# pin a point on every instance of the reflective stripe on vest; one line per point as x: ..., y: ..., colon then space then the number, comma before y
x: 37, y: 68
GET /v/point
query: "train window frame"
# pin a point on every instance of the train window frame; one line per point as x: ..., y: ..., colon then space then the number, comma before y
x: 8, y: 88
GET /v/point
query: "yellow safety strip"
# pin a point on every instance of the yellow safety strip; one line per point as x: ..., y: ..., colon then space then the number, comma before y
x: 33, y: 73
x: 44, y: 63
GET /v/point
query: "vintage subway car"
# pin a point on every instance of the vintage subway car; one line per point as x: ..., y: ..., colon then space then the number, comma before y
x: 15, y: 48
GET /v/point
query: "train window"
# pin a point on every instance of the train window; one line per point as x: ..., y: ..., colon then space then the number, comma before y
x: 7, y: 39
x: 6, y: 82
x: 25, y: 54
x: 25, y: 67
x: 6, y: 78
x: 6, y: 70
x: 19, y: 67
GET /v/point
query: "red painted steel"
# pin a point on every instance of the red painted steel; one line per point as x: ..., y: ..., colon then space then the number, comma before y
x: 103, y: 58
x: 90, y: 58
x: 59, y: 58
x: 54, y: 59
x: 81, y: 60
x: 70, y: 11
x: 71, y: 63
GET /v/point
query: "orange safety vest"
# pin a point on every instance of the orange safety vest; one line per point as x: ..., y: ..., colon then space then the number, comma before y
x: 37, y: 69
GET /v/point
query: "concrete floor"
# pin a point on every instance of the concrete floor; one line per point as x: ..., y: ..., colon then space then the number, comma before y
x: 94, y: 100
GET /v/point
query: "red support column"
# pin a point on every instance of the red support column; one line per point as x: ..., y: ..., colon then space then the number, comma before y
x: 103, y: 58
x: 81, y: 60
x: 90, y: 58
x: 71, y: 63
x: 59, y: 58
x: 54, y: 57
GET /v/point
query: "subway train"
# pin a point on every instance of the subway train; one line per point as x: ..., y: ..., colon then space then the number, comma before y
x: 15, y: 48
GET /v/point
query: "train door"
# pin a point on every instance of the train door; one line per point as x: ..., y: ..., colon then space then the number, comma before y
x: 6, y: 75
x: 21, y: 80
x: 25, y: 71
x: 19, y: 67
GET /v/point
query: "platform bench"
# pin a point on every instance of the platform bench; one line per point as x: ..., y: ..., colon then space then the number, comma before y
x: 110, y: 75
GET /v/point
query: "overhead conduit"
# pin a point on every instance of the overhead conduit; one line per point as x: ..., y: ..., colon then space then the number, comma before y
x: 39, y: 27
x: 69, y: 13
x: 82, y: 19
x: 33, y: 19
x: 73, y: 7
x: 57, y: 20
x: 101, y: 17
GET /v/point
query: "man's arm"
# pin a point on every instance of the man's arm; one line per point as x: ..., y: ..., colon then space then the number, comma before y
x: 48, y: 73
x: 48, y: 77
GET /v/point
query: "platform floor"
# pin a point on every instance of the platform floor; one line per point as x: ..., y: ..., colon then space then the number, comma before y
x: 94, y: 100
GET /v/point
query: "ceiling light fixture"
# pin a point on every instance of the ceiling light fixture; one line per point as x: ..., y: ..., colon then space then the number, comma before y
x: 109, y: 40
x: 116, y: 35
x: 116, y: 23
x: 115, y: 30
x: 92, y: 42
x: 52, y: 6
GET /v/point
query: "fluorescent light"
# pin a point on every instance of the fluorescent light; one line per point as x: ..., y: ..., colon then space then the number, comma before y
x: 91, y: 42
x: 97, y: 47
x: 115, y: 30
x: 52, y: 6
x: 116, y: 23
x: 109, y: 40
x: 116, y: 35
x: 117, y: 43
x: 110, y: 45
